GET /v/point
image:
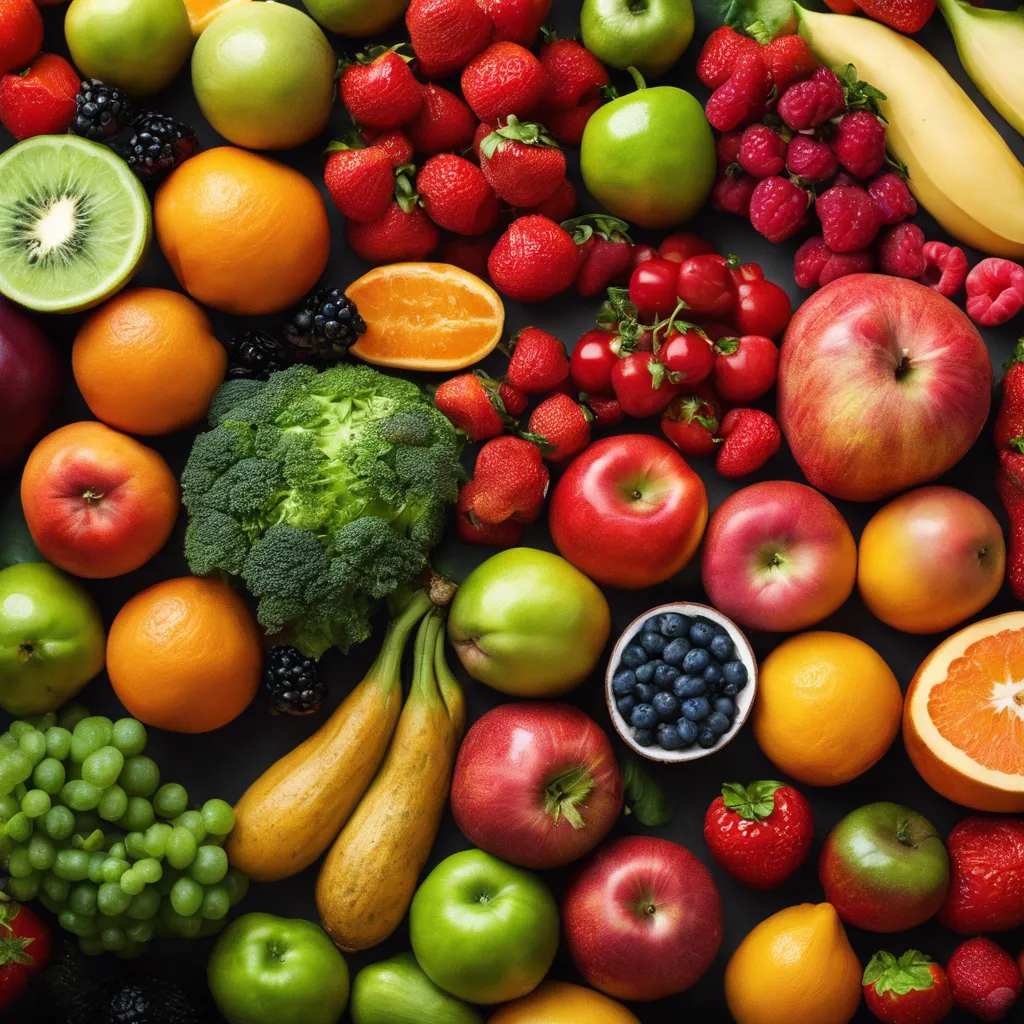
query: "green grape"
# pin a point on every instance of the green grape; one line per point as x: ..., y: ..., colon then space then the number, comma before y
x: 93, y: 841
x: 80, y: 795
x: 44, y: 722
x: 114, y: 868
x: 83, y: 899
x: 33, y: 745
x: 7, y: 743
x: 58, y: 743
x: 35, y: 803
x: 129, y: 736
x: 41, y: 853
x: 236, y: 884
x: 90, y: 734
x: 166, y: 883
x: 156, y: 839
x: 140, y: 776
x: 132, y: 882
x: 218, y: 817
x: 113, y: 804
x: 145, y: 905
x: 216, y: 840
x: 16, y: 767
x: 72, y: 865
x: 9, y: 806
x: 70, y: 715
x: 187, y: 926
x: 91, y: 945
x: 103, y: 766
x: 112, y: 900
x: 118, y: 850
x: 113, y: 938
x: 19, y: 828
x: 180, y: 848
x: 186, y: 897
x: 210, y: 865
x: 18, y: 864
x: 135, y: 845
x: 193, y: 821
x: 24, y: 889
x: 170, y: 800
x: 216, y: 903
x: 48, y: 776
x: 140, y: 931
x: 139, y: 815
x: 78, y: 924
x: 96, y: 861
x: 58, y: 889
x: 58, y: 823
x: 21, y: 728
x: 148, y: 869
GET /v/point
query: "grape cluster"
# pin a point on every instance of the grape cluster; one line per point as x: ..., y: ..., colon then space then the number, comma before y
x: 92, y: 833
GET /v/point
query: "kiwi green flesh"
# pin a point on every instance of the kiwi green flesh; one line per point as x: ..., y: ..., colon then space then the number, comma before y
x: 75, y: 223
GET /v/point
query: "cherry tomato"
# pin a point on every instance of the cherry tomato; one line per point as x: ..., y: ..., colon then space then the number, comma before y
x: 690, y: 422
x: 746, y: 371
x: 682, y: 246
x: 688, y: 353
x: 762, y: 307
x: 643, y: 253
x: 745, y: 272
x: 642, y: 385
x: 706, y: 286
x: 715, y: 329
x: 652, y: 288
x: 592, y: 361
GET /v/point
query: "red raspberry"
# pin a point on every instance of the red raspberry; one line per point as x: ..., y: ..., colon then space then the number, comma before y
x: 859, y: 143
x: 892, y: 197
x: 811, y: 160
x: 995, y: 291
x: 762, y: 151
x: 788, y: 58
x: 732, y: 193
x: 742, y: 98
x: 901, y: 252
x: 815, y: 264
x: 718, y: 56
x: 813, y: 101
x: 778, y: 208
x: 945, y: 268
x: 984, y: 979
x: 728, y: 148
x: 849, y: 218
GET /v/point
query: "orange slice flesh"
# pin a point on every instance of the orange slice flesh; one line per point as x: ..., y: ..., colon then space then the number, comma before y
x: 202, y: 12
x: 963, y: 721
x: 426, y: 316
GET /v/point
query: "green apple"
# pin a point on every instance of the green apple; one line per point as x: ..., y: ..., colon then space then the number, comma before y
x: 649, y: 35
x: 357, y: 19
x: 482, y: 929
x: 51, y: 639
x: 528, y: 623
x: 649, y: 156
x: 16, y: 544
x: 139, y: 45
x: 397, y: 991
x: 263, y: 74
x: 276, y: 970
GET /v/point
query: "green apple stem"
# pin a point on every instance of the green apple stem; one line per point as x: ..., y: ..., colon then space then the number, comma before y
x: 565, y: 792
x: 637, y: 77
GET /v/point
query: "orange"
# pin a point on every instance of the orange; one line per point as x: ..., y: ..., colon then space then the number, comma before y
x: 827, y: 708
x: 243, y: 234
x: 963, y: 723
x: 558, y: 1002
x: 147, y: 361
x: 202, y: 12
x: 185, y: 655
x: 426, y: 316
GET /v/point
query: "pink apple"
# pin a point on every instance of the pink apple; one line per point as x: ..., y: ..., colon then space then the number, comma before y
x: 778, y: 556
x: 536, y: 784
x: 883, y: 384
x: 642, y: 918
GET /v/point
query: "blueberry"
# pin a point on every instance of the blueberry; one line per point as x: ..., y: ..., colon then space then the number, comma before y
x: 706, y: 738
x: 669, y: 738
x: 676, y: 651
x: 717, y: 723
x: 687, y: 731
x: 702, y: 633
x: 730, y: 689
x: 645, y: 673
x: 735, y: 672
x: 712, y: 674
x: 722, y: 648
x: 665, y: 676
x: 651, y: 625
x: 643, y: 716
x: 673, y: 624
x: 626, y: 705
x: 623, y: 682
x: 689, y: 686
x: 696, y: 661
x: 653, y: 643
x: 633, y: 656
x: 696, y: 709
x: 667, y: 706
x: 644, y: 692
x: 644, y: 737
x: 724, y: 706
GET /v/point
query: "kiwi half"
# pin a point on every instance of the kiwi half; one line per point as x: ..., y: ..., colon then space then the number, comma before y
x: 75, y: 223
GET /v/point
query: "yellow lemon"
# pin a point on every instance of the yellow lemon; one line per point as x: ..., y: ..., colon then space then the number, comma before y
x: 795, y: 967
x: 827, y: 708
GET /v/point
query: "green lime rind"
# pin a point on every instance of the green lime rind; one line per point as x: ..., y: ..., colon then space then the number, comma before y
x: 120, y: 223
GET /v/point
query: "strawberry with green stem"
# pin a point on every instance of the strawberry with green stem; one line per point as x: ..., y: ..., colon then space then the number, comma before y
x: 910, y: 989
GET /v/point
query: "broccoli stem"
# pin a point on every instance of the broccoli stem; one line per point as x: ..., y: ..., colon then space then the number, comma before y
x: 424, y: 682
x: 389, y: 662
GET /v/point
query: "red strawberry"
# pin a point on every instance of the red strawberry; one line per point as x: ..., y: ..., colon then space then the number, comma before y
x: 761, y: 833
x: 986, y: 882
x: 444, y: 125
x: 559, y: 206
x: 470, y: 401
x: 517, y: 21
x: 41, y: 99
x: 469, y: 254
x: 690, y: 423
x: 567, y: 126
x: 522, y: 164
x: 25, y: 946
x: 395, y: 143
x: 561, y: 427
x: 378, y: 89
x: 512, y: 481
x: 607, y: 411
x: 446, y: 34
x: 539, y: 362
x: 1010, y: 421
x: 575, y: 75
x: 456, y: 195
x: 473, y: 531
x: 505, y: 80
x: 399, y: 235
x: 788, y: 58
x: 483, y: 129
x: 842, y: 6
x: 903, y: 15
x: 359, y: 179
x: 910, y: 990
x: 743, y: 96
x: 21, y: 34
x: 514, y: 400
x: 535, y: 259
x: 1010, y: 488
x: 606, y: 251
x: 750, y: 437
x: 984, y: 979
x: 719, y: 54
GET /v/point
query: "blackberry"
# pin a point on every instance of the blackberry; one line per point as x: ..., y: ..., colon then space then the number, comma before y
x: 326, y: 325
x: 102, y: 111
x: 255, y: 355
x: 154, y: 145
x: 292, y: 681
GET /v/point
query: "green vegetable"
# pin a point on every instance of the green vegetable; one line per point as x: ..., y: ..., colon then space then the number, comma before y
x: 644, y: 798
x: 324, y: 492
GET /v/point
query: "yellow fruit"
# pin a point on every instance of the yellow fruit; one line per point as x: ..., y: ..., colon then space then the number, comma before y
x: 795, y: 967
x: 202, y: 12
x: 827, y: 708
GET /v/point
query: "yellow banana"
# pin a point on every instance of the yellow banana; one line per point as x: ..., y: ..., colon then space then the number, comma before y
x: 961, y: 169
x: 991, y: 48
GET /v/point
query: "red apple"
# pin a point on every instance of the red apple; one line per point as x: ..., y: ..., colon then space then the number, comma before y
x: 778, y: 556
x: 643, y: 919
x: 29, y: 382
x: 883, y: 384
x: 536, y: 784
x: 629, y: 511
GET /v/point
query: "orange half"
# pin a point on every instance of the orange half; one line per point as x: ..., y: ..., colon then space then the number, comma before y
x: 426, y: 316
x: 963, y: 720
x: 202, y: 12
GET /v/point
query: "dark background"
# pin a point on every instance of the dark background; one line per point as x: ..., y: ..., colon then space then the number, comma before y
x: 224, y: 763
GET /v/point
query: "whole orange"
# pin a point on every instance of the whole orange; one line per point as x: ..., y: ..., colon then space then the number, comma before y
x: 558, y: 1002
x: 243, y: 234
x: 147, y: 361
x: 185, y: 655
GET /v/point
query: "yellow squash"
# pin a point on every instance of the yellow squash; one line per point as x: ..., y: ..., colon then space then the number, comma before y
x: 368, y: 878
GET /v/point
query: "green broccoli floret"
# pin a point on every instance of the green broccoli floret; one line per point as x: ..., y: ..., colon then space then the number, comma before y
x: 324, y: 492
